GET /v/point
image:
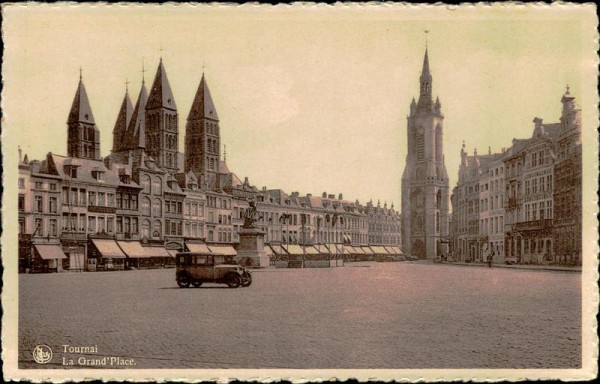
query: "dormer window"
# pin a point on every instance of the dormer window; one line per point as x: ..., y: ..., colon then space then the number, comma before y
x: 71, y: 171
x: 125, y: 179
x: 98, y: 175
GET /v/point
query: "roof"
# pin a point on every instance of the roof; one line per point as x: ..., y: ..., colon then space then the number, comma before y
x: 136, y: 131
x: 84, y: 169
x: 203, y: 106
x: 160, y: 93
x: 122, y: 123
x: 81, y: 110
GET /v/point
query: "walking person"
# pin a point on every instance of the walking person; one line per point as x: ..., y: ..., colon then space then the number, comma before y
x: 490, y: 259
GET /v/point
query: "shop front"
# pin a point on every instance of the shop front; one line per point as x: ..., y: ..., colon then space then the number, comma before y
x: 105, y: 255
x: 48, y: 258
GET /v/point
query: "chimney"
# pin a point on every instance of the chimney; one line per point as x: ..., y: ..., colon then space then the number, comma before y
x: 331, y: 196
x: 246, y: 180
x: 309, y: 195
x: 324, y: 195
x: 340, y: 197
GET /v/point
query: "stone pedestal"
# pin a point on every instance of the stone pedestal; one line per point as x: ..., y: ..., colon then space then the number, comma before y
x: 251, y: 251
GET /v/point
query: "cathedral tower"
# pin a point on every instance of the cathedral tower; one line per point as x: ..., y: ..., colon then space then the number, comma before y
x: 83, y: 139
x: 122, y: 123
x: 162, y: 131
x: 425, y: 192
x: 202, y: 135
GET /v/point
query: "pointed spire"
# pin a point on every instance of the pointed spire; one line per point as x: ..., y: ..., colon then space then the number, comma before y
x: 122, y: 123
x: 81, y: 112
x: 425, y: 73
x: 203, y: 106
x: 136, y: 130
x: 160, y: 93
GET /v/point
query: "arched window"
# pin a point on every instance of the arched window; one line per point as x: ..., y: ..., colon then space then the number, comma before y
x: 145, y: 228
x: 156, y: 185
x: 438, y: 199
x: 156, y: 229
x: 145, y: 206
x: 145, y: 183
x: 157, y: 208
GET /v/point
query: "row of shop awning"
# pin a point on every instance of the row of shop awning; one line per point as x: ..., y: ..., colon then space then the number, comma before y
x: 295, y: 249
x: 133, y: 249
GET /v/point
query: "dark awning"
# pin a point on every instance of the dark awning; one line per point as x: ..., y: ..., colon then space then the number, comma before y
x: 50, y: 252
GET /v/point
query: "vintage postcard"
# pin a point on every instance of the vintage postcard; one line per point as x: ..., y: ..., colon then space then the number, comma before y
x: 305, y: 192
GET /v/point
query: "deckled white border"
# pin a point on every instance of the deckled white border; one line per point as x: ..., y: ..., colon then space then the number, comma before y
x: 589, y: 103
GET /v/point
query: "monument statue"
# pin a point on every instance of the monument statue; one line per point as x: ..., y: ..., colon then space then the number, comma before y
x: 250, y: 216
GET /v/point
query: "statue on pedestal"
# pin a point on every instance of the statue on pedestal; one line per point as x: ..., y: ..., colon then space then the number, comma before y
x: 250, y: 216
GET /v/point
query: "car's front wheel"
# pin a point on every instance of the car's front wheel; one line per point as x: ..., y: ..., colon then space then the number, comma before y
x: 196, y: 283
x: 183, y: 281
x: 246, y: 279
x: 233, y: 280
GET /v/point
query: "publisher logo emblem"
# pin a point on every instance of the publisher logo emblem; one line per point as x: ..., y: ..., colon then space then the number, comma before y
x: 42, y: 354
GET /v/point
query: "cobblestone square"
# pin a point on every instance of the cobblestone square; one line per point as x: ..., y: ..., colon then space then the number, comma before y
x: 364, y: 315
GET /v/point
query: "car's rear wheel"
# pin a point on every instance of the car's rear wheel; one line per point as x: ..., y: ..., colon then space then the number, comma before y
x: 183, y: 281
x: 196, y: 283
x: 233, y: 280
x: 246, y: 279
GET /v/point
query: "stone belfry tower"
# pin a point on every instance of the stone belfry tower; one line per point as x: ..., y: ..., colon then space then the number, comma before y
x: 202, y: 134
x: 425, y: 192
x: 83, y: 138
x: 162, y: 130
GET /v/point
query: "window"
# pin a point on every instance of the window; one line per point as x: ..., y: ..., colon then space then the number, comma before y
x: 39, y: 206
x: 39, y: 227
x: 119, y: 200
x: 110, y: 224
x: 110, y: 199
x: 146, y: 206
x: 156, y: 186
x: 101, y: 227
x: 92, y: 224
x: 179, y: 207
x: 134, y: 225
x: 52, y: 230
x: 82, y: 222
x: 22, y: 228
x: 119, y: 224
x: 134, y: 202
x: 92, y: 198
x: 145, y: 228
x: 82, y: 195
x: 52, y: 186
x: 53, y: 204
x: 145, y: 183
x: 21, y: 202
x: 21, y: 183
x: 157, y: 208
x: 39, y: 185
x: 101, y: 199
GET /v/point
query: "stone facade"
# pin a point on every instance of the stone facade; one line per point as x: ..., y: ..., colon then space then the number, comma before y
x: 425, y: 190
x: 526, y: 200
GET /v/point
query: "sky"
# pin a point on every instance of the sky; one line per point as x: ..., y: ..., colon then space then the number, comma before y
x: 312, y: 98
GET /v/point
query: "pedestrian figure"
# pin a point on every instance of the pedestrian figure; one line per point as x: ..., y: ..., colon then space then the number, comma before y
x: 490, y: 259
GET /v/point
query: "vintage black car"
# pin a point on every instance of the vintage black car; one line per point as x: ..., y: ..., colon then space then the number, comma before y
x: 195, y: 268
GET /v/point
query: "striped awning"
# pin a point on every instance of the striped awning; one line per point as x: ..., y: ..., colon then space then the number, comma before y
x: 390, y: 250
x: 367, y: 250
x: 293, y: 249
x: 108, y: 249
x: 358, y: 250
x: 322, y: 248
x: 278, y: 250
x: 310, y: 250
x: 377, y: 249
x: 50, y: 252
x: 156, y: 252
x: 200, y: 248
x: 132, y: 249
x: 223, y: 250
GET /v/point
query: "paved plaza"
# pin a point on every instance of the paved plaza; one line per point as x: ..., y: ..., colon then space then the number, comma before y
x: 364, y: 315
